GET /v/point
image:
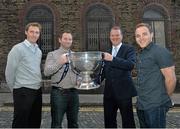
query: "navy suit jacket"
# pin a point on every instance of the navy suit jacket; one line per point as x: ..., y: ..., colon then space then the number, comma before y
x: 119, y: 83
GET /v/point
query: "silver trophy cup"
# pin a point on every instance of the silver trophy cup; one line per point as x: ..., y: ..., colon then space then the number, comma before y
x: 87, y: 65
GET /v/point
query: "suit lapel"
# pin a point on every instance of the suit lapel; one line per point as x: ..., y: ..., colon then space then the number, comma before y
x: 120, y: 51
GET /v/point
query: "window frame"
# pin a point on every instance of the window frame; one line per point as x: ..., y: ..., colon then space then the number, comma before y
x: 158, y: 17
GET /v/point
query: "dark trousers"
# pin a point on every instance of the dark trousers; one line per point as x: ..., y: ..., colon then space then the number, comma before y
x: 64, y: 101
x: 110, y: 113
x: 27, y: 108
x: 154, y: 117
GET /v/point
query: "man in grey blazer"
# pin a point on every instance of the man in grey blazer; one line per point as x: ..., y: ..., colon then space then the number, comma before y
x: 64, y: 95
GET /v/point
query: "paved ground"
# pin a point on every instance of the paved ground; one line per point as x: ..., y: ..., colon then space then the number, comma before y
x: 91, y: 112
x: 89, y: 117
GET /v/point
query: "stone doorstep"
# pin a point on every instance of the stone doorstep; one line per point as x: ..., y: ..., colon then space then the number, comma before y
x: 85, y: 100
x: 90, y: 100
x: 46, y: 88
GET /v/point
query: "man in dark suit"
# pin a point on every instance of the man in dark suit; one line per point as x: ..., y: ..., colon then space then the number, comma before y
x: 119, y: 88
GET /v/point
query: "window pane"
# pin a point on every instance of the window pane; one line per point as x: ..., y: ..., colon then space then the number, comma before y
x: 151, y: 14
x: 156, y: 20
x: 44, y: 16
x: 46, y: 37
x: 159, y: 33
x: 98, y: 23
x: 92, y: 39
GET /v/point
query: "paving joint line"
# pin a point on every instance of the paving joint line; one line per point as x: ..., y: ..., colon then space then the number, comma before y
x: 82, y: 109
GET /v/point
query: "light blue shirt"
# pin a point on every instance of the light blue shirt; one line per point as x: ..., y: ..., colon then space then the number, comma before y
x: 23, y: 66
x: 114, y: 52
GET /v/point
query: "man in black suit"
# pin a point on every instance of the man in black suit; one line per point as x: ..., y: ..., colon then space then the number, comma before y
x: 119, y: 88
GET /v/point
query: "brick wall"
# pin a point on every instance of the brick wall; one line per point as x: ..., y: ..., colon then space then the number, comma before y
x: 69, y: 14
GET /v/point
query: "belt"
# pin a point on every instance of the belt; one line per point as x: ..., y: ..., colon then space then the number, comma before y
x: 64, y: 90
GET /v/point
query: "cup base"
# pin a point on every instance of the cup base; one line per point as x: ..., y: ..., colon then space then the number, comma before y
x: 88, y: 86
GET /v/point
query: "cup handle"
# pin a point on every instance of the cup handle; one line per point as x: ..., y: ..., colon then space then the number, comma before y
x: 102, y: 55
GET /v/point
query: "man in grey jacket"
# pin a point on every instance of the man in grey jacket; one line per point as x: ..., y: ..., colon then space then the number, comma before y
x: 23, y: 76
x: 64, y: 95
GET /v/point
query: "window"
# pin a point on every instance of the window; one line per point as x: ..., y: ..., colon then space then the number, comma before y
x: 157, y: 21
x: 44, y: 16
x: 99, y: 21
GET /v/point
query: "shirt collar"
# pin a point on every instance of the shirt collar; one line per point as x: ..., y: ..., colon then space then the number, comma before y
x: 32, y: 47
x: 148, y: 47
x: 118, y: 46
x: 64, y: 50
x: 28, y: 44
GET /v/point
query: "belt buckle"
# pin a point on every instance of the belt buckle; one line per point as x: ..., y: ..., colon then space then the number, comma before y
x: 61, y: 89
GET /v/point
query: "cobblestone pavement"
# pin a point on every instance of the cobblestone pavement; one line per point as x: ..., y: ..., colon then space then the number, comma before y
x: 88, y: 118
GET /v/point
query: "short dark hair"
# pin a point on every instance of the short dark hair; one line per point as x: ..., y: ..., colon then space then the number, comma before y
x: 145, y: 25
x: 116, y: 27
x: 65, y: 31
x: 33, y: 24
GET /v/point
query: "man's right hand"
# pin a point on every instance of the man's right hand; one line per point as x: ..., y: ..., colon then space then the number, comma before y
x: 107, y: 56
x: 63, y: 59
